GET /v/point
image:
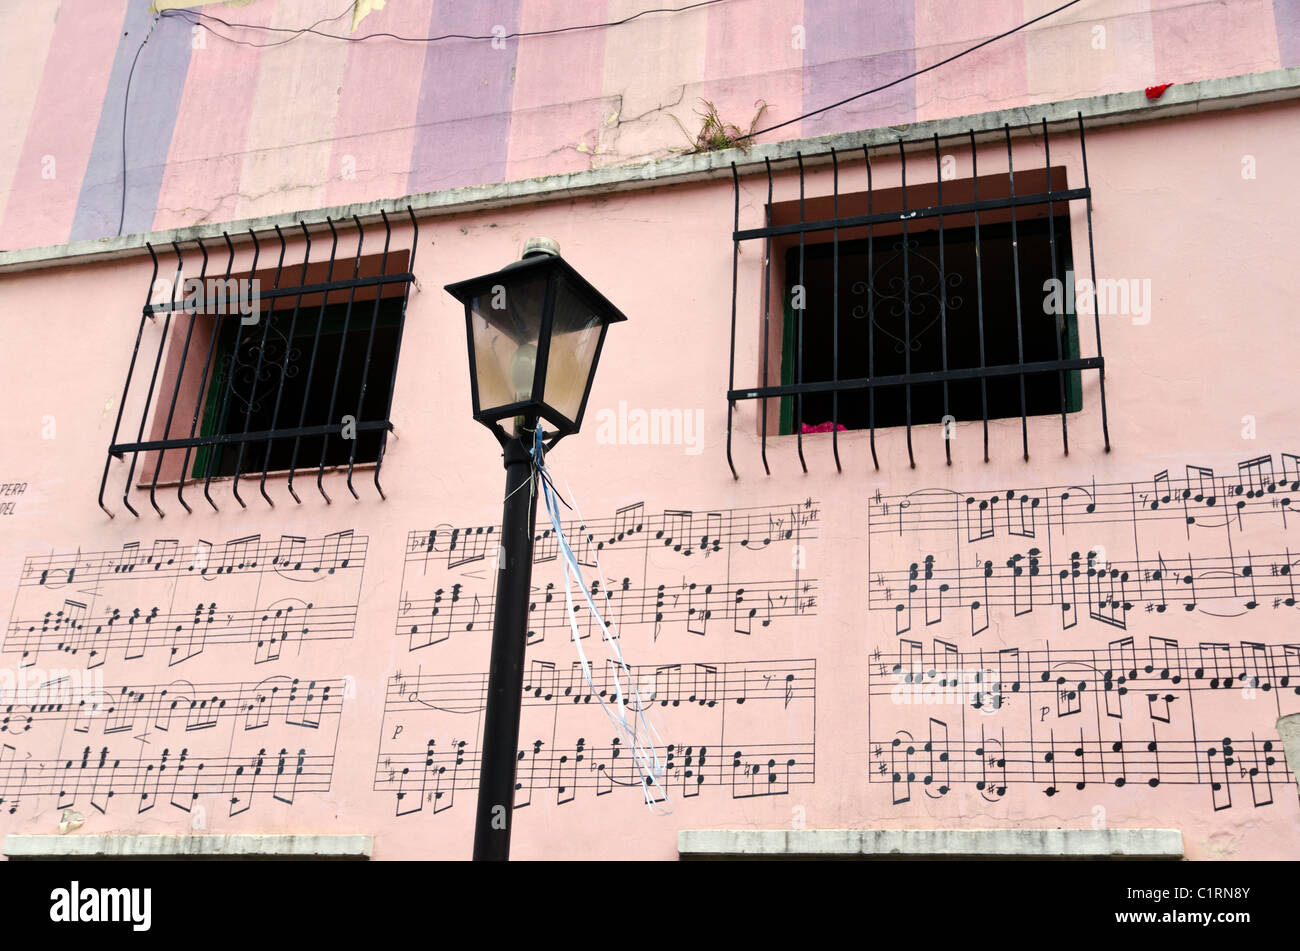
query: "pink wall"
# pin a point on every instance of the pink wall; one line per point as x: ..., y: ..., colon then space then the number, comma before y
x: 1177, y: 395
x: 224, y: 130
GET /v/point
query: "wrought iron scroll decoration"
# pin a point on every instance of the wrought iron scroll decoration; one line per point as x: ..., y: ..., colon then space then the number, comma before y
x: 918, y: 295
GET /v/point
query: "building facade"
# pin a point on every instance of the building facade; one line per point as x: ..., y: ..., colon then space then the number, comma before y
x: 940, y: 486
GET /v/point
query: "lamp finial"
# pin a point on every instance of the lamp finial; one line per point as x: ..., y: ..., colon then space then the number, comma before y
x: 539, y: 246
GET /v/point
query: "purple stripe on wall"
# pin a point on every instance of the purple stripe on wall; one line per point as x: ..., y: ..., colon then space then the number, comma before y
x: 463, y: 117
x: 155, y: 98
x: 853, y: 45
x: 1286, y: 14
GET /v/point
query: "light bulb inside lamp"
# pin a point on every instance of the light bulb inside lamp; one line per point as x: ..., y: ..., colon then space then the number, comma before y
x: 523, y: 366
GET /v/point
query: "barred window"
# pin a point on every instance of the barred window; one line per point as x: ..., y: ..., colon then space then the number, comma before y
x: 254, y: 394
x: 923, y: 303
x: 283, y: 367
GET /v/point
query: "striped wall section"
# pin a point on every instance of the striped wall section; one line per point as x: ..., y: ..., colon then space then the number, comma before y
x: 217, y: 131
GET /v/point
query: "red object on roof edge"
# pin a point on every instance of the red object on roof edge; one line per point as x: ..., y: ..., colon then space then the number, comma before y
x: 1155, y: 92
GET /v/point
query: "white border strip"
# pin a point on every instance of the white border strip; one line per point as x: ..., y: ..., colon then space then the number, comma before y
x: 1181, y: 99
x: 932, y: 843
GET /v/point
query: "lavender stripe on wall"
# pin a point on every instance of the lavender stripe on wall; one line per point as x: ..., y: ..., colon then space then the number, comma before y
x: 155, y: 99
x: 463, y: 117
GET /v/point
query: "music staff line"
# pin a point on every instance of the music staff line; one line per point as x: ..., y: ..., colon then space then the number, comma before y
x: 1109, y: 590
x: 180, y: 775
x: 200, y: 706
x: 750, y: 772
x: 289, y: 555
x: 977, y: 516
x: 185, y: 634
x: 1123, y: 667
x: 682, y: 531
x: 545, y: 682
x: 938, y: 763
x: 696, y: 603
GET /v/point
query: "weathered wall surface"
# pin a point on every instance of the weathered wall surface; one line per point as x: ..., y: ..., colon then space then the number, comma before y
x: 217, y: 131
x: 792, y: 714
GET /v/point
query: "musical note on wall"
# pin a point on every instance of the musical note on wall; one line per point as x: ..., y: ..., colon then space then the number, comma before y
x: 182, y: 598
x: 712, y: 718
x: 703, y: 573
x: 124, y: 749
x: 1103, y: 690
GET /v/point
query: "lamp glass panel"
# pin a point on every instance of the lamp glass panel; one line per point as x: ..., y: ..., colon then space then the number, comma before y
x: 506, y: 319
x: 575, y: 334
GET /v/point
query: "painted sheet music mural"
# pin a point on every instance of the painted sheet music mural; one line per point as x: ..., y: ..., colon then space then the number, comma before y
x: 176, y: 600
x: 684, y: 572
x: 1040, y: 654
x: 134, y: 746
x: 712, y: 718
x: 1050, y: 641
x: 111, y: 710
x: 679, y: 587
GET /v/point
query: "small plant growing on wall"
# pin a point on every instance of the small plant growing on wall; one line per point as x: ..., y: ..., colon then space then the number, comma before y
x: 715, y: 133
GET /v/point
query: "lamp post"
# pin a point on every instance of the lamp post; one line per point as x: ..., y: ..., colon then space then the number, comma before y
x: 535, y: 330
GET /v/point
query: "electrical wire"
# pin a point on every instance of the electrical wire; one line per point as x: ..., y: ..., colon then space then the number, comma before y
x: 912, y: 75
x: 198, y: 18
x: 195, y: 18
x: 126, y: 102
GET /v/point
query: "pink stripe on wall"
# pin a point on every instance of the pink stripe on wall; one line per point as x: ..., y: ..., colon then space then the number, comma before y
x: 558, y: 107
x: 1101, y: 46
x: 771, y: 33
x: 994, y: 77
x: 652, y: 65
x: 375, y: 125
x: 1209, y: 41
x: 293, y: 117
x: 42, y: 206
x: 25, y: 34
x: 202, y: 179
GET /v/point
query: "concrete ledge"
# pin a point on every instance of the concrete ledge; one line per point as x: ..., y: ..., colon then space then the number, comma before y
x: 189, y: 846
x: 1209, y: 95
x: 931, y: 843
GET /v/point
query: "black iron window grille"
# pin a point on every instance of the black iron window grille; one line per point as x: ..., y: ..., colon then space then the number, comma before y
x: 283, y: 368
x: 929, y: 307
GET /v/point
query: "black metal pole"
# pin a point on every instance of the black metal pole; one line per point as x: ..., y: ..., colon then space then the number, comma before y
x: 496, y: 789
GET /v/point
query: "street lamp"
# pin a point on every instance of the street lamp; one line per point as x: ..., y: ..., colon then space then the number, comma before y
x: 535, y: 329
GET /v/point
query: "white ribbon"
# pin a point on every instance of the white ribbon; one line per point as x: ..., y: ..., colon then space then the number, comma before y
x: 639, y: 734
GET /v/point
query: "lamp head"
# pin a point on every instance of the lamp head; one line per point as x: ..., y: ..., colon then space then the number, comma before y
x: 535, y: 330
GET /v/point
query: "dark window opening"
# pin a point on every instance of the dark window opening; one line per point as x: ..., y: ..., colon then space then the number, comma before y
x: 874, y: 336
x: 243, y: 396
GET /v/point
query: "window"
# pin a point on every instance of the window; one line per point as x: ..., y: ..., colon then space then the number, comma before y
x: 286, y: 366
x: 925, y: 302
x: 943, y: 308
x: 283, y: 379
